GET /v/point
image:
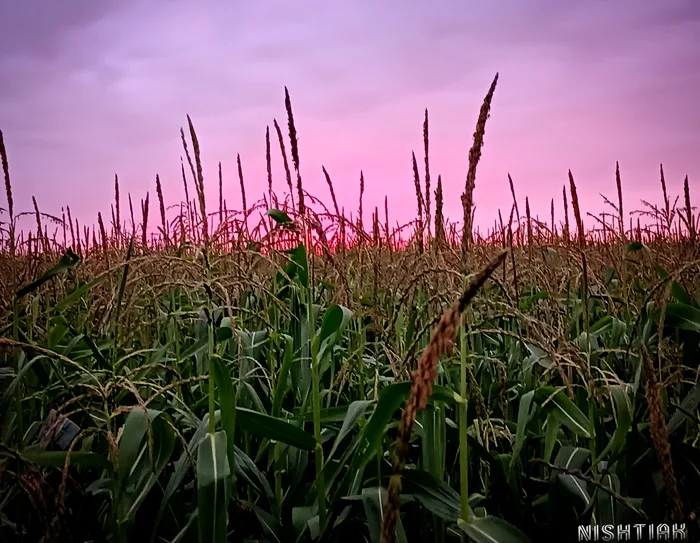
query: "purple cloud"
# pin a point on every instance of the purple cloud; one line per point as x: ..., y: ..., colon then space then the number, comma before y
x: 90, y: 89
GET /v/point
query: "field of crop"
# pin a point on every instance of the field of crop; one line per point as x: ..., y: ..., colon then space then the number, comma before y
x: 282, y: 373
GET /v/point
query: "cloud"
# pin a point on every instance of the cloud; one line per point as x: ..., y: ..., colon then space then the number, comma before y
x: 38, y: 30
x: 91, y: 88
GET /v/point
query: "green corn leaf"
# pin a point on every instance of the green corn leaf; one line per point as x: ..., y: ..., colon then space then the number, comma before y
x: 78, y: 293
x: 280, y: 217
x: 523, y: 418
x: 334, y: 322
x: 269, y: 427
x: 573, y: 458
x: 390, y: 400
x: 247, y: 471
x: 144, y: 449
x: 434, y: 494
x: 623, y: 420
x: 373, y: 500
x: 282, y: 385
x: 67, y: 261
x: 8, y: 393
x: 353, y: 413
x: 550, y: 439
x: 57, y: 459
x: 490, y: 529
x: 181, y: 467
x: 688, y: 405
x: 433, y: 447
x: 212, y: 488
x: 227, y: 401
x: 269, y: 524
x: 683, y: 317
x: 556, y: 402
x: 298, y: 266
x: 607, y: 506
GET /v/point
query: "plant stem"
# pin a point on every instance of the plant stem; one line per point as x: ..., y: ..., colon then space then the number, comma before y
x: 212, y: 396
x: 210, y: 350
x: 463, y: 458
x: 18, y: 393
x: 316, y: 401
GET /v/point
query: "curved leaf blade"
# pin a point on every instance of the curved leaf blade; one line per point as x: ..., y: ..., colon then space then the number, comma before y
x: 556, y: 402
x: 273, y: 428
x: 212, y: 488
x: 490, y: 529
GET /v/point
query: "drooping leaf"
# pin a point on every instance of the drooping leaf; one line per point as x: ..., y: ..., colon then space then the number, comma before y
x: 189, y: 530
x: 523, y: 419
x: 334, y: 322
x: 226, y: 396
x: 679, y: 293
x: 67, y: 261
x: 280, y: 217
x: 223, y: 333
x: 281, y: 385
x: 270, y: 524
x: 78, y: 293
x: 212, y: 488
x: 688, y: 405
x: 602, y: 325
x: 435, y: 495
x: 555, y: 401
x: 434, y: 446
x: 607, y: 506
x: 298, y: 265
x: 373, y: 500
x: 57, y: 459
x: 550, y: 438
x: 144, y: 449
x: 636, y: 246
x: 369, y: 439
x: 539, y: 356
x: 683, y: 317
x: 8, y: 393
x: 573, y: 458
x: 301, y: 517
x: 623, y: 418
x: 246, y: 470
x: 490, y: 529
x: 181, y: 468
x: 354, y: 412
x: 269, y: 427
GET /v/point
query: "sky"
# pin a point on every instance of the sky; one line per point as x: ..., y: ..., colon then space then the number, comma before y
x: 89, y: 89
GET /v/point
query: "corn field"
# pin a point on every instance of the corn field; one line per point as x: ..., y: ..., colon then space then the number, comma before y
x: 289, y: 372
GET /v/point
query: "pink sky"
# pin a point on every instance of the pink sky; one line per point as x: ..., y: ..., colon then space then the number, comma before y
x: 89, y: 89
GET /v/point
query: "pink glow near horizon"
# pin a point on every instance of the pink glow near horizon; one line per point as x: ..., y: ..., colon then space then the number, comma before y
x: 89, y: 89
